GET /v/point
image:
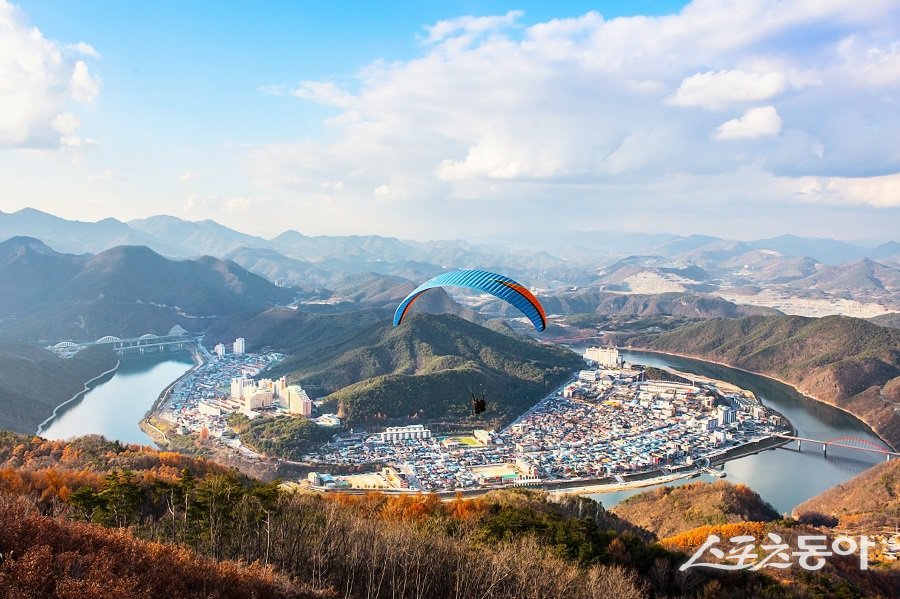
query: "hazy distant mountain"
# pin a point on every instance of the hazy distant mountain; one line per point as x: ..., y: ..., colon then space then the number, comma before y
x: 123, y: 291
x: 74, y: 236
x: 689, y: 244
x: 886, y: 253
x: 649, y: 274
x: 865, y: 275
x: 30, y: 272
x: 829, y: 251
x: 195, y: 238
x: 771, y: 266
x: 359, y: 247
x: 206, y: 286
x: 319, y: 266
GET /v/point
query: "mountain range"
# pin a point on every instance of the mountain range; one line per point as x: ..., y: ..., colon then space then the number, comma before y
x: 324, y: 267
x: 125, y: 291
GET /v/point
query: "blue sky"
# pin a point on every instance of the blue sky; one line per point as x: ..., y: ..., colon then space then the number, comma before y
x: 432, y: 120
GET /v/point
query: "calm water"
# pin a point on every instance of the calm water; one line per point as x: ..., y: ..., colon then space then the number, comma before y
x: 784, y: 477
x: 114, y: 408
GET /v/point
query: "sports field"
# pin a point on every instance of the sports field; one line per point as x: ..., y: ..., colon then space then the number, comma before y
x: 467, y: 440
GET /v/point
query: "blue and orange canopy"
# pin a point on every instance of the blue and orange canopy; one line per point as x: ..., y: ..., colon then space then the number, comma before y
x: 497, y: 285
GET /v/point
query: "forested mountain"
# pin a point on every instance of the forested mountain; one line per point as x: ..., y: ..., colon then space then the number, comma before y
x: 426, y: 367
x: 124, y: 291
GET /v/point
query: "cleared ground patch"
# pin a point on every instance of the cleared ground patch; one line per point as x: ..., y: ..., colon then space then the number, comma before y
x: 368, y: 481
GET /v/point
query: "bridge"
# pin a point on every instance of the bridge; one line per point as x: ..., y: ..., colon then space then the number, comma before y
x: 176, y: 339
x: 854, y: 443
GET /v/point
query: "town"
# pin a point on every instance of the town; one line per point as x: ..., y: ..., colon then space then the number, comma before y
x: 225, y: 383
x: 609, y: 422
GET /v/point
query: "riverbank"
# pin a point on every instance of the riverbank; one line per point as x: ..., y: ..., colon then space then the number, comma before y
x: 772, y: 377
x: 151, y: 419
x: 87, y: 387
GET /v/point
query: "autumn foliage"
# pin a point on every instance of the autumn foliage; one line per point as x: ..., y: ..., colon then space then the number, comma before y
x: 44, y: 557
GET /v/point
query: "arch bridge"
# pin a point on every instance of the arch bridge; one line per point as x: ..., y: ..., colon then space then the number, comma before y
x: 177, y: 339
x: 854, y: 443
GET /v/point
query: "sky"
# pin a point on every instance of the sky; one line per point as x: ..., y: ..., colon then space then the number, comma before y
x: 425, y: 120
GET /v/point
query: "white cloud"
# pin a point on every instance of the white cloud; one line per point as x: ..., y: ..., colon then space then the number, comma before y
x: 878, y: 192
x: 187, y: 176
x: 66, y: 123
x: 716, y: 90
x: 39, y: 80
x: 756, y: 122
x: 468, y: 26
x: 85, y: 50
x: 587, y: 111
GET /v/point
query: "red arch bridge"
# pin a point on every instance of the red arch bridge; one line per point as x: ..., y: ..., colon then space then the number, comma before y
x: 854, y: 443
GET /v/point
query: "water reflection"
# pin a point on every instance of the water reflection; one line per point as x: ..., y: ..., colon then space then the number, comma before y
x: 113, y: 408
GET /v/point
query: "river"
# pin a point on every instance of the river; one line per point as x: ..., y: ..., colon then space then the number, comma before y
x: 115, y: 407
x: 784, y: 476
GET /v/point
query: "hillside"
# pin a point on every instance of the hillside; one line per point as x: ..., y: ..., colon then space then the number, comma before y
x: 863, y: 276
x: 891, y: 320
x: 851, y: 363
x: 668, y: 511
x: 84, y: 518
x: 124, y: 291
x: 51, y: 558
x: 35, y: 381
x: 425, y: 368
x: 868, y: 502
x: 29, y: 271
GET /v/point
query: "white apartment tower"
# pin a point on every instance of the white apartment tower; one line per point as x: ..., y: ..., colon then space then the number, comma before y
x: 607, y: 357
x: 238, y: 346
x: 220, y: 350
x: 297, y: 401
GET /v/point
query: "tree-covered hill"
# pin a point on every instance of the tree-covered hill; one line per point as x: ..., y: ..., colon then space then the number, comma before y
x: 426, y: 367
x: 848, y: 362
x: 91, y: 518
x: 869, y: 502
x: 668, y: 511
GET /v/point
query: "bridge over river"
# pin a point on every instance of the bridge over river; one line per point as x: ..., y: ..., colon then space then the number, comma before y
x: 854, y: 443
x: 175, y: 340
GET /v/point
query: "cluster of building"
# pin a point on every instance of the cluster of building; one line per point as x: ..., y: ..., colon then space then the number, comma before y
x: 252, y: 395
x: 607, y: 422
x: 238, y: 348
x: 229, y: 383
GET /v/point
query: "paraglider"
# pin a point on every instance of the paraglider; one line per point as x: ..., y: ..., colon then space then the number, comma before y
x: 497, y: 285
x: 479, y: 404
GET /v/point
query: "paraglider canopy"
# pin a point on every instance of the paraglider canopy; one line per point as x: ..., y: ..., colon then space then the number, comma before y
x: 497, y: 285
